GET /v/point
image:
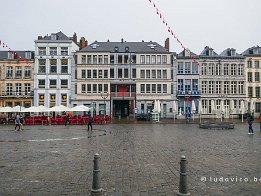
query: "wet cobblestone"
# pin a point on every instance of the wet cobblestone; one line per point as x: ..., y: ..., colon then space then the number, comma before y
x: 136, y: 159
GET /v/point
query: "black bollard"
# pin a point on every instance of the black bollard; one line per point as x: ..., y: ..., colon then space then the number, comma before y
x: 183, y: 185
x: 96, y: 187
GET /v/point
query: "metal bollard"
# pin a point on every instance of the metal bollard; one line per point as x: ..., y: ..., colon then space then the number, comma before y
x: 183, y: 185
x: 96, y: 187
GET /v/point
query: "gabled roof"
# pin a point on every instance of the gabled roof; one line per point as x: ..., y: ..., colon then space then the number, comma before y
x: 183, y: 54
x: 4, y: 55
x: 255, y: 50
x: 230, y: 52
x: 206, y: 52
x: 121, y: 47
x: 59, y: 36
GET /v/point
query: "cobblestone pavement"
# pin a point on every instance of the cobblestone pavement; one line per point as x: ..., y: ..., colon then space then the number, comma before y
x: 136, y: 159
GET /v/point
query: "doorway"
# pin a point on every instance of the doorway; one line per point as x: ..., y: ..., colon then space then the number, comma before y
x: 121, y: 108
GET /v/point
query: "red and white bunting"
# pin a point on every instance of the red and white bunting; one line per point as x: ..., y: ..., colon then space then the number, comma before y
x: 171, y: 32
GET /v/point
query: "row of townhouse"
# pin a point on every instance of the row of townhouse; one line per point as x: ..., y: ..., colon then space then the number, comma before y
x: 124, y: 78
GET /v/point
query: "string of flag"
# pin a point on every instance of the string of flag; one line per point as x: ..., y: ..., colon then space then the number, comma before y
x: 171, y: 31
x: 4, y: 45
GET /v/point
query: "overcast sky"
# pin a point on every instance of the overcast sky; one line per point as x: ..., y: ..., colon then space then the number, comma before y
x: 219, y: 24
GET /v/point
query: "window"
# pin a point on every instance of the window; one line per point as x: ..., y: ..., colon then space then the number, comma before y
x: 194, y: 68
x: 64, y: 99
x: 89, y: 59
x: 180, y: 67
x: 211, y: 87
x: 240, y: 88
x: 257, y: 77
x: 142, y: 88
x: 153, y: 88
x: 119, y: 59
x: 187, y: 67
x: 249, y: 64
x: 53, y: 84
x: 10, y: 55
x: 142, y: 59
x: 218, y: 69
x: 153, y: 73
x: 147, y: 73
x: 83, y: 90
x: 18, y: 88
x: 249, y: 76
x: 83, y: 59
x: 147, y: 88
x: 258, y: 107
x: 42, y: 51
x: 100, y: 73
x: 53, y: 51
x: 142, y: 73
x: 164, y: 73
x: 27, y: 72
x: 158, y: 88
x: 100, y: 59
x: 195, y: 85
x: 42, y: 66
x: 89, y: 73
x: 94, y: 73
x: 53, y: 66
x: 89, y: 88
x: 106, y: 73
x: 226, y: 69
x: 147, y: 59
x: 94, y: 59
x: 105, y: 59
x: 112, y: 73
x: 94, y: 88
x: 64, y: 51
x: 257, y: 92
x: 233, y: 69
x: 9, y: 89
x: 164, y: 59
x: 105, y: 88
x: 133, y: 73
x: 83, y: 73
x: 250, y: 91
x: 99, y: 88
x: 240, y: 69
x: 41, y: 83
x: 158, y: 74
x: 112, y: 59
x: 18, y: 72
x: 218, y: 87
x: 27, y: 88
x: 153, y: 59
x: 204, y: 69
x: 9, y: 72
x: 187, y: 85
x: 204, y: 87
x: 52, y: 98
x: 119, y: 73
x: 158, y: 59
x: 180, y: 85
x: 226, y: 87
x: 233, y: 87
x: 256, y: 64
x: 165, y: 88
x: 126, y: 73
x: 41, y: 99
x: 64, y: 65
x: 211, y: 69
x: 64, y: 83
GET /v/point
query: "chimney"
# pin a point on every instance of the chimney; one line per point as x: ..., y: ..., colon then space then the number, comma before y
x: 167, y: 44
x: 40, y: 37
x: 122, y: 40
x: 83, y: 43
x: 74, y: 38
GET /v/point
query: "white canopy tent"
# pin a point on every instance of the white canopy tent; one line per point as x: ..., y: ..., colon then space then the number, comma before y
x: 31, y: 109
x: 60, y: 108
x: 242, y: 108
x: 6, y: 109
x: 17, y: 108
x: 193, y: 107
x: 80, y: 108
x: 42, y: 108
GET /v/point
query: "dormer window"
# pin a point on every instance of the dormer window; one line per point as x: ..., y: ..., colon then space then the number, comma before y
x: 126, y: 49
x: 233, y: 52
x: 211, y: 53
x: 152, y: 46
x: 53, y: 36
x: 28, y: 55
x: 94, y: 46
x: 116, y: 49
x: 255, y: 51
x: 10, y: 55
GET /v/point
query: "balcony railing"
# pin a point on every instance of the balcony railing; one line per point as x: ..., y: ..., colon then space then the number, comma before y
x: 188, y: 93
x: 16, y: 94
x: 123, y: 94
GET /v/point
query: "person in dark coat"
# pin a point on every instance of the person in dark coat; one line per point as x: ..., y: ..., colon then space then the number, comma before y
x: 17, y: 123
x: 250, y: 122
x: 90, y: 119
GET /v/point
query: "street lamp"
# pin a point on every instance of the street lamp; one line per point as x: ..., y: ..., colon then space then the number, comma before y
x: 104, y: 96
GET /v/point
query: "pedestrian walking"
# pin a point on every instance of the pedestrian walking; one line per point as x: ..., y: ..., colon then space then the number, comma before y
x: 250, y: 122
x: 259, y: 121
x: 67, y: 120
x: 21, y: 123
x: 90, y: 119
x: 17, y: 123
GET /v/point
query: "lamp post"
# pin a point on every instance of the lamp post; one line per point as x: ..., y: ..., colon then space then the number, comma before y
x: 104, y: 96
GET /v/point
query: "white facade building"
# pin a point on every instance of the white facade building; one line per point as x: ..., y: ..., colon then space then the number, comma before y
x: 53, y: 70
